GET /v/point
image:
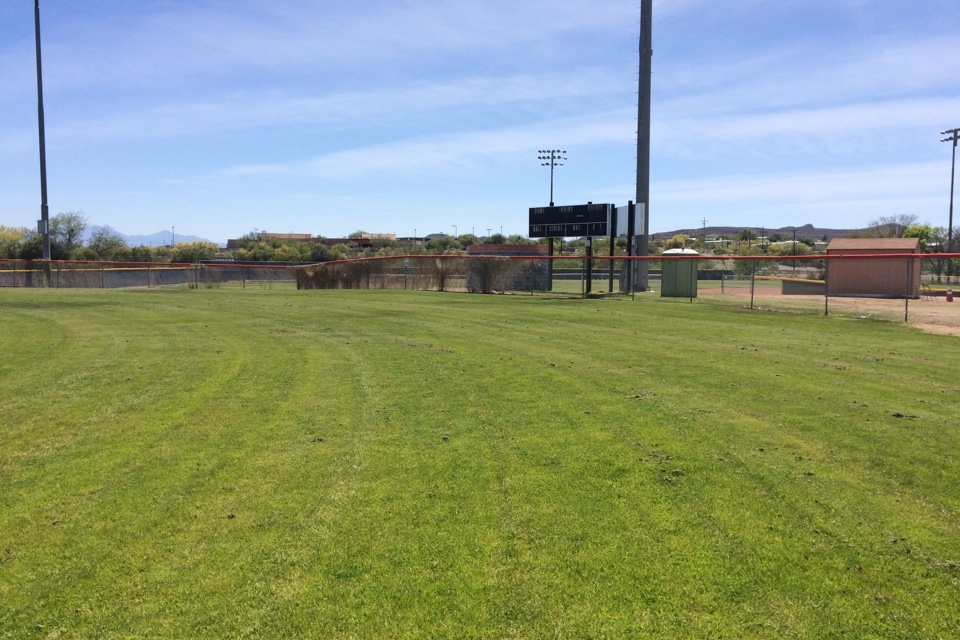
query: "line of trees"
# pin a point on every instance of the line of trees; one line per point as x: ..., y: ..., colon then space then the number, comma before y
x: 67, y: 232
x: 258, y: 246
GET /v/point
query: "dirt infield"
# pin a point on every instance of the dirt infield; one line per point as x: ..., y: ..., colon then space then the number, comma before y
x: 933, y: 315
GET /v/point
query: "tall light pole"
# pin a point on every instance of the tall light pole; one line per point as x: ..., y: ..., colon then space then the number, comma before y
x: 643, y: 140
x: 952, y: 135
x: 44, y: 226
x: 551, y: 158
x: 455, y: 234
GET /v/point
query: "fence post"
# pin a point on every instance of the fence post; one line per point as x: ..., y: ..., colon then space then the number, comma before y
x: 148, y: 276
x: 753, y: 279
x: 613, y: 253
x: 906, y: 289
x: 693, y: 279
x: 589, y: 264
x: 826, y: 287
x: 583, y: 278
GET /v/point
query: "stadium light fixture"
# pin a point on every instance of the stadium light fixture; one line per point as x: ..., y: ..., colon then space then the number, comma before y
x: 551, y: 158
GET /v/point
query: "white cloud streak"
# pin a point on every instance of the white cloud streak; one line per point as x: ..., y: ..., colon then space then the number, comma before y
x: 825, y: 198
x: 445, y: 153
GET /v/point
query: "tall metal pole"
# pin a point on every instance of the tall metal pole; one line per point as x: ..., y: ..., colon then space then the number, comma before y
x: 643, y: 138
x: 953, y: 164
x: 44, y: 225
x: 553, y: 159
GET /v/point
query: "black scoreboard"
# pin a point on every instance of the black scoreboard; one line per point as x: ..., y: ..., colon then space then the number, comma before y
x: 572, y: 221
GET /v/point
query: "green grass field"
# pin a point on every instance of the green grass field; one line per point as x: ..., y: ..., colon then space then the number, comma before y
x: 393, y: 464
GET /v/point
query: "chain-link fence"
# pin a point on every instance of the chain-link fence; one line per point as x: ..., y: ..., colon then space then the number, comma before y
x: 895, y: 286
x: 864, y: 285
x: 119, y: 275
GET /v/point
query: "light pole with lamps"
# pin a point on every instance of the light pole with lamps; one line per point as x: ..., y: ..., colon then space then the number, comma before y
x: 553, y: 159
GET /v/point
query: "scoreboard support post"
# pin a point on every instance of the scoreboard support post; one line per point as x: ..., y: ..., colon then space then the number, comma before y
x: 588, y: 286
x: 550, y: 265
x: 630, y: 265
x: 613, y: 239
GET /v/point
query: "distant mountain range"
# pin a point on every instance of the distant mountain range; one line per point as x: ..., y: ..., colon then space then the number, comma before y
x: 158, y: 239
x: 806, y: 231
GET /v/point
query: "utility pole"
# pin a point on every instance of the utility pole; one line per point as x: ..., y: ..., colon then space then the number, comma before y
x: 643, y: 140
x: 952, y: 137
x: 44, y: 225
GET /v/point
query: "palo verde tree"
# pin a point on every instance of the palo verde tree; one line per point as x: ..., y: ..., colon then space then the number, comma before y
x: 192, y: 251
x: 11, y: 240
x: 923, y: 232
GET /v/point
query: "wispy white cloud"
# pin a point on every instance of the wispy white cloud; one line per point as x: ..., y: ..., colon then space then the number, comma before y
x: 448, y: 152
x: 246, y: 41
x: 825, y: 198
x: 876, y: 96
x: 806, y: 187
x: 803, y: 75
x: 514, y: 97
x: 816, y: 125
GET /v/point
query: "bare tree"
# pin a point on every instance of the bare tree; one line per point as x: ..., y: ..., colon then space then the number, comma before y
x: 892, y: 226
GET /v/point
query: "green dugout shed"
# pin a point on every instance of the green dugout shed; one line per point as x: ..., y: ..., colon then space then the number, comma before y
x: 679, y: 277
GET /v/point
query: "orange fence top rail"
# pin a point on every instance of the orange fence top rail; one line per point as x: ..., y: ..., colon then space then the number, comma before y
x: 808, y: 258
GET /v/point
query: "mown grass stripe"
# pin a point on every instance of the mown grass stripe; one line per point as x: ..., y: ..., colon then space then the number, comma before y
x: 407, y: 464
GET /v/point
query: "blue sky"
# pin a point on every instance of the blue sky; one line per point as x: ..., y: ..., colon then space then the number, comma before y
x: 218, y: 117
